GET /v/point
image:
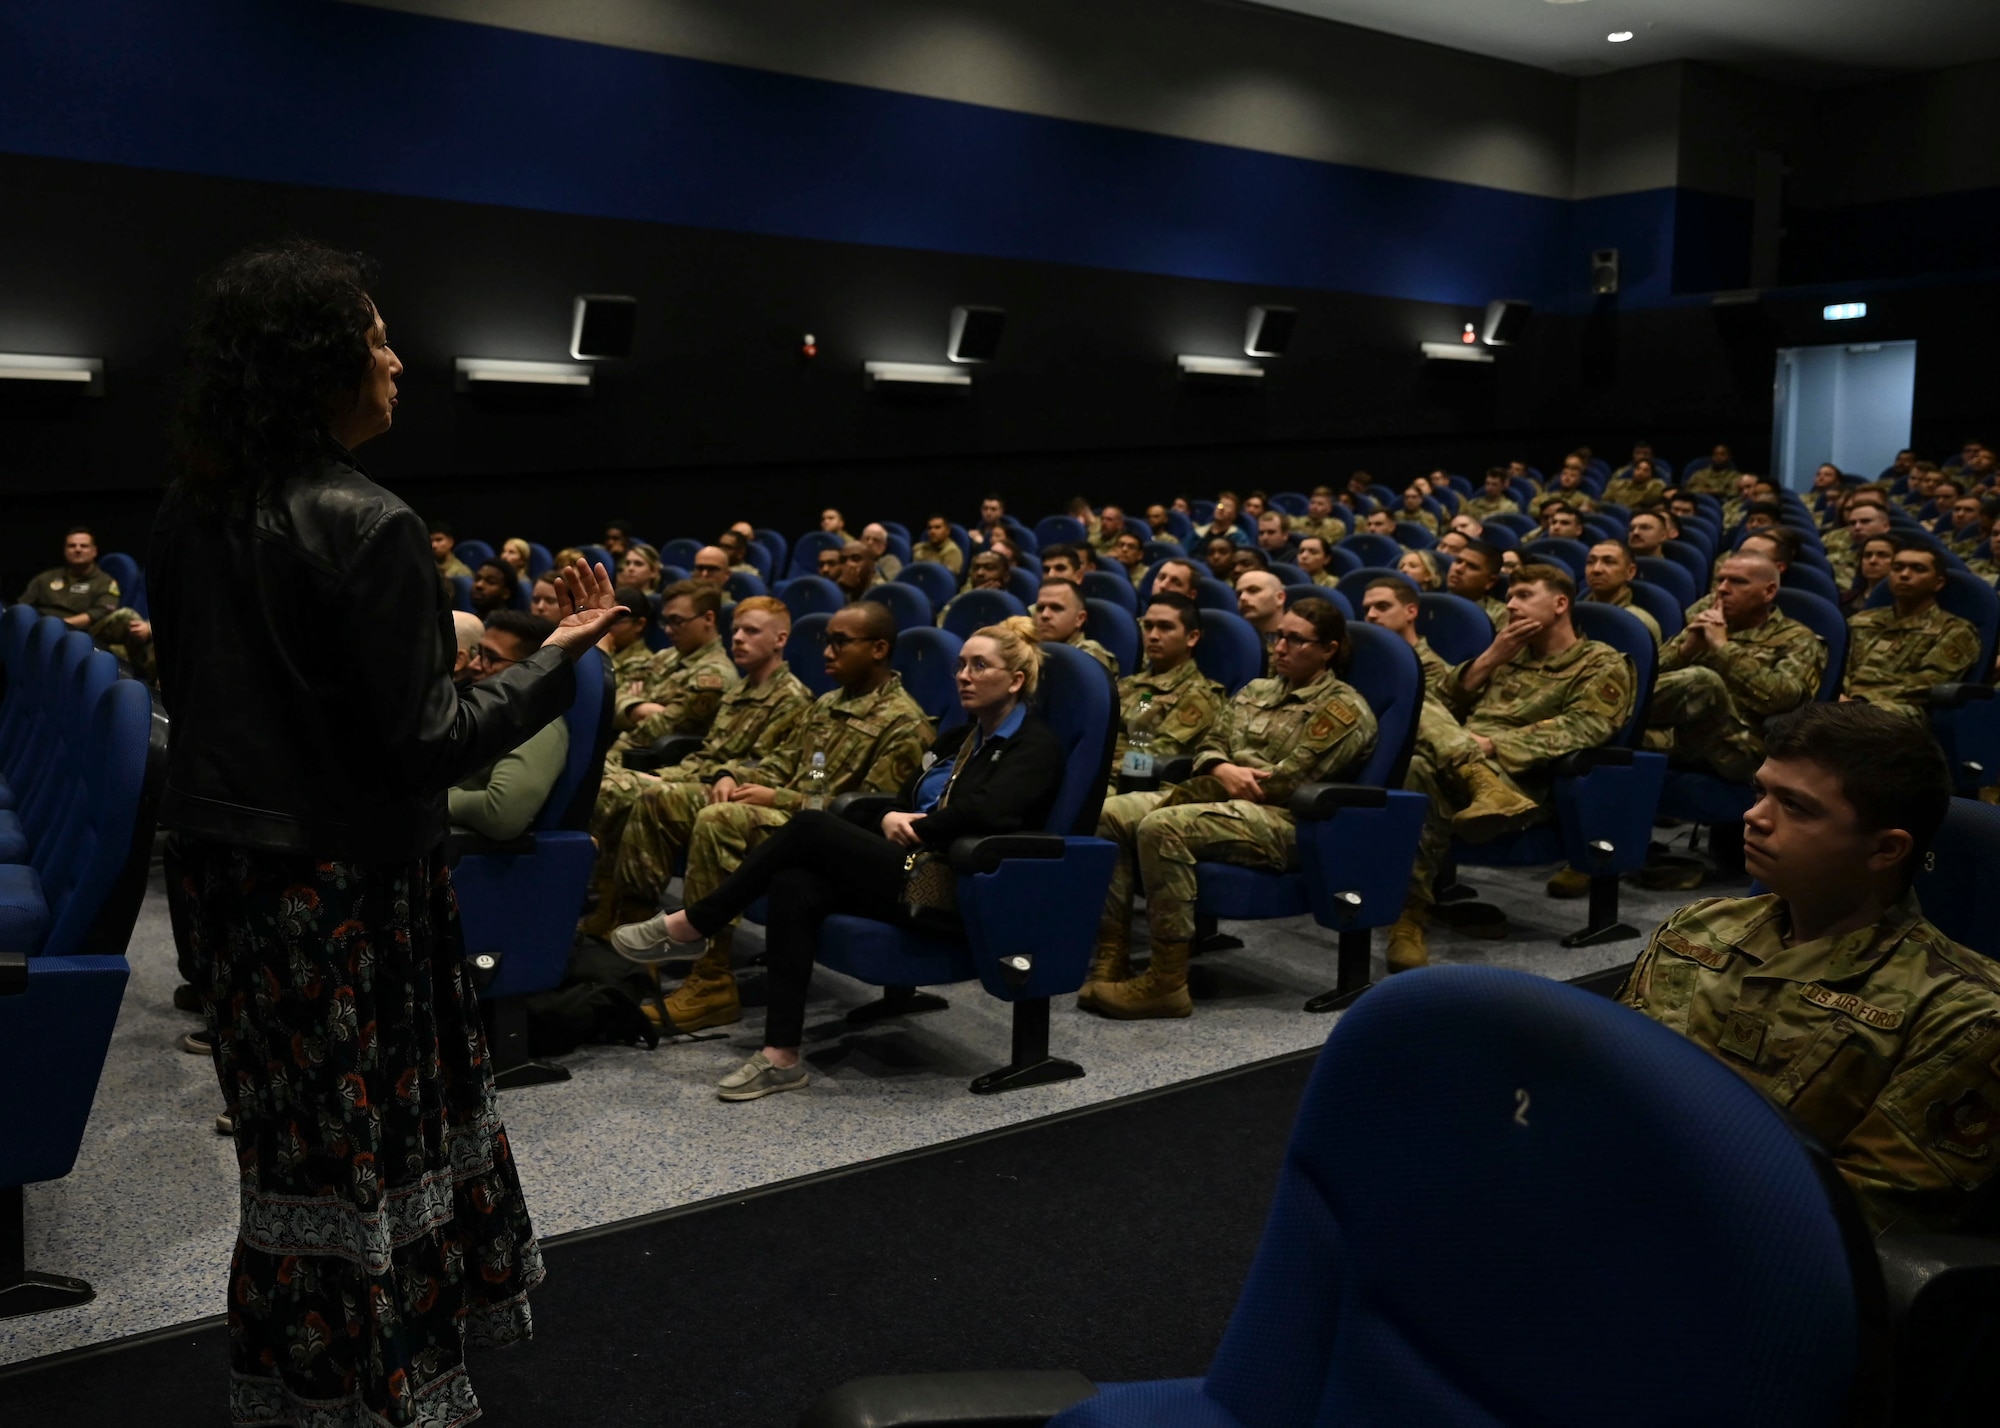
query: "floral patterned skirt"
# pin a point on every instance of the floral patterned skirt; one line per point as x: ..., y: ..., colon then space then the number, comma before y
x: 382, y: 1226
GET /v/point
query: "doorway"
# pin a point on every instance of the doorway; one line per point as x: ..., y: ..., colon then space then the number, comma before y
x: 1848, y: 404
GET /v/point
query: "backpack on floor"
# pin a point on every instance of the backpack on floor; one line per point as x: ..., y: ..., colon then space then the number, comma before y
x: 600, y: 1001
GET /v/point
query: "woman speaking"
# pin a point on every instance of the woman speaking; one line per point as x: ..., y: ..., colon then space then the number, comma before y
x: 305, y: 648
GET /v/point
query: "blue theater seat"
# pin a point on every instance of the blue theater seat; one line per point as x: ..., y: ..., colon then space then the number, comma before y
x: 1114, y: 627
x: 1059, y: 530
x: 805, y: 555
x: 1801, y: 576
x: 64, y: 925
x: 518, y: 901
x: 805, y: 652
x: 976, y: 609
x: 1695, y: 562
x: 1289, y: 574
x: 131, y: 581
x: 742, y: 587
x: 1025, y: 585
x: 937, y: 583
x: 1356, y: 839
x: 927, y: 659
x: 1456, y: 629
x: 1605, y: 798
x: 1518, y: 523
x: 1329, y: 593
x: 776, y: 546
x: 1354, y: 583
x: 1372, y: 549
x: 474, y: 553
x: 1412, y: 536
x: 680, y: 552
x: 64, y: 691
x: 1061, y: 872
x: 1657, y: 601
x: 1111, y: 585
x: 1291, y: 503
x: 1965, y: 716
x: 1229, y: 651
x: 909, y: 605
x: 811, y: 595
x: 539, y: 560
x: 1560, y: 551
x: 1435, y: 1255
x: 1670, y: 576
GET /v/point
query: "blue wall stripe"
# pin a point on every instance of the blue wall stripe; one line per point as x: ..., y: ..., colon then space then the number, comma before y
x: 352, y: 97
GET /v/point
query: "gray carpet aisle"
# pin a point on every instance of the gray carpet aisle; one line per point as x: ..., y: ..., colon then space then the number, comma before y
x: 148, y: 1215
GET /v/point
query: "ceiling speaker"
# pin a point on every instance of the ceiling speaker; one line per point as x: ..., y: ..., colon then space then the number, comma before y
x: 1506, y: 321
x: 1269, y: 331
x: 975, y: 333
x: 1604, y: 271
x: 604, y: 327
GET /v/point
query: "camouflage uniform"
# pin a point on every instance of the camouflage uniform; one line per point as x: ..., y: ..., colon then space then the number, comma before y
x: 1096, y: 651
x: 1622, y: 490
x: 1710, y: 481
x: 1891, y: 662
x: 1496, y: 610
x: 1301, y: 736
x: 1327, y: 578
x: 1962, y: 543
x: 750, y: 717
x: 947, y: 554
x: 1437, y: 674
x: 873, y: 743
x: 1183, y: 703
x: 453, y: 567
x: 1883, y: 1043
x: 689, y: 689
x: 1841, y: 556
x: 1578, y: 500
x: 1535, y: 709
x: 1622, y: 598
x: 1331, y: 529
x: 628, y: 667
x: 1484, y: 507
x: 1709, y: 706
x: 57, y: 593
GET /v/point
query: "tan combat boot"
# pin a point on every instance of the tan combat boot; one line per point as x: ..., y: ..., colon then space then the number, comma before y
x: 1407, y: 947
x: 1112, y: 963
x: 1495, y: 808
x: 603, y: 915
x: 1568, y: 882
x: 708, y: 996
x: 1159, y: 991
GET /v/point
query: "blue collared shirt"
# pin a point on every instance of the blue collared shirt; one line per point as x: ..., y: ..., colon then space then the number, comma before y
x: 930, y: 788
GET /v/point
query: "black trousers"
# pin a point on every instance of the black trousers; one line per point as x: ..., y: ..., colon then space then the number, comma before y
x: 815, y: 866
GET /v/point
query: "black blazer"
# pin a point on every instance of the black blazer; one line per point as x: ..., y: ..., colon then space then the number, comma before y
x: 1011, y: 786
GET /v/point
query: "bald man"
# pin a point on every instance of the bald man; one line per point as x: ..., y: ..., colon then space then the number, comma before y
x: 467, y: 627
x: 1736, y: 664
x: 711, y: 567
x: 1260, y: 599
x: 875, y: 536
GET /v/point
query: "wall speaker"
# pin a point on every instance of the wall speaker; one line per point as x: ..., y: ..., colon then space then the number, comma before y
x: 1269, y: 331
x: 604, y: 327
x: 975, y: 333
x: 1506, y: 321
x: 1604, y: 271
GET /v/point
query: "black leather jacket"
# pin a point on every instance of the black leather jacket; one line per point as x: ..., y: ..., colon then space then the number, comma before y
x: 305, y: 651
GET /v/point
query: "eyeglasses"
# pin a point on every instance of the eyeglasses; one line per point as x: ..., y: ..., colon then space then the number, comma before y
x: 674, y: 622
x: 1285, y: 637
x: 489, y: 658
x: 711, y: 570
x: 837, y: 643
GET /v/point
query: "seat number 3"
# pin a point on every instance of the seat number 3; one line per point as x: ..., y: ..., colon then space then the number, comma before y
x: 1520, y: 1106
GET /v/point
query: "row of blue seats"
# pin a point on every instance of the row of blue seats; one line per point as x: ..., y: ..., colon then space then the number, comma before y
x: 82, y: 764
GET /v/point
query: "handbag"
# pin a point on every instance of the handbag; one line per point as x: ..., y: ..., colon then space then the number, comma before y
x: 930, y: 887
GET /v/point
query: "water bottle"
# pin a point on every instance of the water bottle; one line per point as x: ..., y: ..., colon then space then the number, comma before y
x: 1135, y: 772
x: 816, y: 781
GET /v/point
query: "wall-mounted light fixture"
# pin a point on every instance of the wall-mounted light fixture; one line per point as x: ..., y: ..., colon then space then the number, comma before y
x: 603, y: 326
x: 1267, y: 332
x: 975, y: 333
x: 1235, y: 368
x: 85, y: 374
x: 1832, y: 312
x: 920, y: 374
x: 1454, y: 352
x: 485, y: 370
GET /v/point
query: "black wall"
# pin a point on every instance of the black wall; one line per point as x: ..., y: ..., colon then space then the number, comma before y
x: 718, y: 417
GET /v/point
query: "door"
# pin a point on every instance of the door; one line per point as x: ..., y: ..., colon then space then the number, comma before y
x: 1848, y: 404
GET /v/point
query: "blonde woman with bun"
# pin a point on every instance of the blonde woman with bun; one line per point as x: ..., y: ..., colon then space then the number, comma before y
x: 517, y: 553
x: 998, y: 772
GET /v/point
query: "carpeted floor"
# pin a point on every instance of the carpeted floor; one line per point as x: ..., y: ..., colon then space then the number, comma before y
x: 1112, y: 1240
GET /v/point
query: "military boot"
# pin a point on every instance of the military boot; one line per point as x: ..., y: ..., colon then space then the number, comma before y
x: 1495, y: 808
x: 1159, y: 991
x: 607, y: 898
x: 1111, y: 963
x: 708, y: 996
x: 1407, y: 947
x: 1568, y: 882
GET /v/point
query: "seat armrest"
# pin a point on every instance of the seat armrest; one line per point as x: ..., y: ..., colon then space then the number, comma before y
x: 984, y: 855
x: 462, y: 841
x: 663, y: 753
x: 864, y: 810
x: 1581, y: 762
x: 13, y: 973
x: 992, y: 1399
x: 1955, y: 696
x: 1913, y: 1264
x: 1318, y: 801
x: 1178, y: 769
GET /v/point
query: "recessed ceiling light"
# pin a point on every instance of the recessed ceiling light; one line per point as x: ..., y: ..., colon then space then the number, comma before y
x: 1619, y: 37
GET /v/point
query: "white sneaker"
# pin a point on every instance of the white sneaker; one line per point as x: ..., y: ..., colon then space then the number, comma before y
x: 758, y: 1077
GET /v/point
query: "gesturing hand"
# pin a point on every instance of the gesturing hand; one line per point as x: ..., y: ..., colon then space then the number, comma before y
x: 1515, y: 635
x: 586, y: 592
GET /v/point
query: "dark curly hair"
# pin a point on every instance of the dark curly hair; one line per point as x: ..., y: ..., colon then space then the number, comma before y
x: 281, y: 334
